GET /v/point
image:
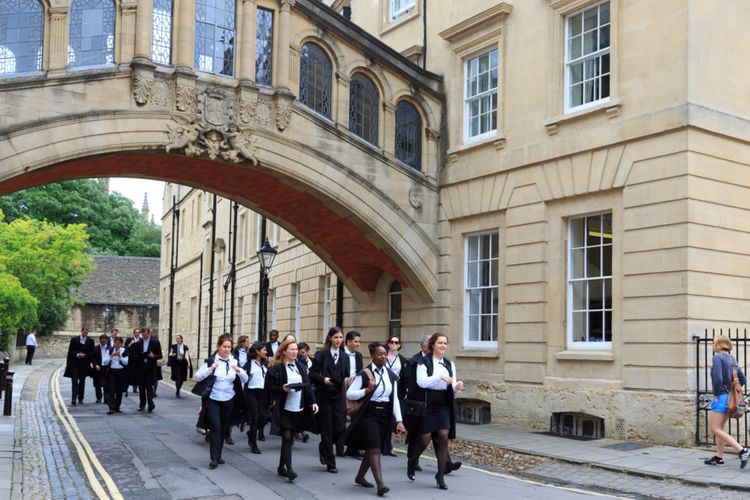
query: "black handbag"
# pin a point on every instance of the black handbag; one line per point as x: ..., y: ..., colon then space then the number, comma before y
x: 204, y: 387
x: 415, y: 408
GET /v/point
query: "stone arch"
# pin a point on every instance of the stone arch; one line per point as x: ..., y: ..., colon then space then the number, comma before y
x: 417, y: 100
x: 374, y: 73
x: 309, y: 194
x: 326, y: 42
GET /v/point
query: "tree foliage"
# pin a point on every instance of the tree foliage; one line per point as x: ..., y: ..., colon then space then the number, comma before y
x: 113, y: 223
x: 18, y: 308
x: 49, y: 260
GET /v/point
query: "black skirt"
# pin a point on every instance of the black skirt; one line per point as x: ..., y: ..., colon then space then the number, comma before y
x: 438, y: 414
x: 292, y: 420
x: 372, y: 427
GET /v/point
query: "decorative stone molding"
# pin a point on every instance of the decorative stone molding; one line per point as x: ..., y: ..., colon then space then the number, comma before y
x: 431, y: 134
x: 228, y: 142
x: 416, y: 198
x: 343, y: 80
x: 248, y: 109
x: 263, y: 111
x: 216, y: 106
x: 143, y: 79
x: 161, y: 93
x: 283, y: 109
x: 185, y: 96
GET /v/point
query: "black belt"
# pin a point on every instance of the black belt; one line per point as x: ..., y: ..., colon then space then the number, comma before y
x: 379, y: 406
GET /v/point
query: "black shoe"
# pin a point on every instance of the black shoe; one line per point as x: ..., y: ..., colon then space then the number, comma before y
x: 155, y: 395
x: 118, y: 411
x: 141, y: 408
x: 332, y: 469
x: 363, y: 482
x: 715, y: 460
x: 417, y: 467
x: 221, y: 461
x: 229, y: 441
x: 291, y: 475
x: 440, y: 483
x: 411, y: 467
x: 80, y: 401
x: 744, y: 456
x: 213, y: 464
x: 255, y: 451
x: 151, y: 408
x: 99, y: 400
x: 111, y: 412
x: 340, y: 453
x: 382, y: 491
x: 281, y: 471
x: 73, y: 403
x: 261, y: 436
x: 453, y: 466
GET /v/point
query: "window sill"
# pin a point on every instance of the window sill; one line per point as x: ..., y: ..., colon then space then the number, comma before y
x: 610, y: 107
x: 394, y: 22
x: 477, y: 352
x: 582, y: 355
x: 497, y: 140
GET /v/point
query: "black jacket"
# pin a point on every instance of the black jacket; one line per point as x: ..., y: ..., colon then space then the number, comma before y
x: 323, y: 366
x: 145, y: 371
x: 276, y: 379
x: 79, y: 367
x: 96, y: 360
x: 349, y: 436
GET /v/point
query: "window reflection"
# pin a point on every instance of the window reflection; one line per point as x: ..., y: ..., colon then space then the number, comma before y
x: 214, y: 36
x: 21, y: 35
x: 92, y: 32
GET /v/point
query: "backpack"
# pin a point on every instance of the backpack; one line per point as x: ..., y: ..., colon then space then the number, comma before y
x: 353, y: 406
x: 736, y: 405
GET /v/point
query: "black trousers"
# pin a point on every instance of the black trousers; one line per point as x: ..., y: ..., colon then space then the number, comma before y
x: 117, y: 381
x: 100, y: 384
x: 30, y: 353
x: 332, y: 422
x: 146, y: 386
x: 78, y: 387
x: 218, y: 414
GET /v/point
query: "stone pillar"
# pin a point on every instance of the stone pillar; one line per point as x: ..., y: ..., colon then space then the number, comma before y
x: 388, y: 140
x: 184, y: 43
x: 127, y: 31
x: 143, y: 30
x: 246, y: 55
x: 281, y: 77
x: 58, y: 39
x: 430, y: 152
x: 342, y: 99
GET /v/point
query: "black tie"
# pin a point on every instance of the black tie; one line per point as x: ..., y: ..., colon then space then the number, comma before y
x: 227, y: 363
x: 379, y: 371
x: 335, y: 357
x: 292, y: 367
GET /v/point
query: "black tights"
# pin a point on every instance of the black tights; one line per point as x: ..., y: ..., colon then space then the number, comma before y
x: 287, y: 438
x: 441, y: 451
x: 371, y: 460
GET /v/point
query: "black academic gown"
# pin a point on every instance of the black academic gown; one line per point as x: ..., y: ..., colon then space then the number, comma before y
x: 276, y: 378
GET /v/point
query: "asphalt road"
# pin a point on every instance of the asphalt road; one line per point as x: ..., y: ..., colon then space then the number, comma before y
x: 138, y: 455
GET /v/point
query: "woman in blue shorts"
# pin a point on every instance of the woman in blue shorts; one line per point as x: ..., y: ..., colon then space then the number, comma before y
x: 721, y: 378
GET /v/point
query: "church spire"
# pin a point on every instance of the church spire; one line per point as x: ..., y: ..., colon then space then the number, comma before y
x: 144, y: 208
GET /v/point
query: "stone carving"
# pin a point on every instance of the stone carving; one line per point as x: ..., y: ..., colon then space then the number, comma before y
x: 228, y: 141
x: 283, y: 115
x: 216, y: 106
x: 185, y: 97
x: 142, y: 82
x: 415, y: 197
x: 263, y: 112
x: 247, y: 109
x: 161, y: 93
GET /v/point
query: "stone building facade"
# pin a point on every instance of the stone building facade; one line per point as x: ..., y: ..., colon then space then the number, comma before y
x: 558, y: 185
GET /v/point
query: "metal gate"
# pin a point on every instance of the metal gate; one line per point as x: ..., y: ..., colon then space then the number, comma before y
x: 704, y: 393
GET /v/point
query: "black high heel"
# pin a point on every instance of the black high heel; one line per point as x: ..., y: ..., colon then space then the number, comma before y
x: 410, y: 469
x: 440, y: 483
x: 383, y: 490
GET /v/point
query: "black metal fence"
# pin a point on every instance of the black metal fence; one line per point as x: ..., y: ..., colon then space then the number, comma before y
x: 704, y: 393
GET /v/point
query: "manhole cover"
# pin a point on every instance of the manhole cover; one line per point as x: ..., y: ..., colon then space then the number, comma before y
x: 627, y: 446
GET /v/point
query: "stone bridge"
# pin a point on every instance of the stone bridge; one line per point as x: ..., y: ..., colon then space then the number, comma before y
x: 283, y: 106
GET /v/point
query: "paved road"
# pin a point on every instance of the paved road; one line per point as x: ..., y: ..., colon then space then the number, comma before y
x: 83, y: 453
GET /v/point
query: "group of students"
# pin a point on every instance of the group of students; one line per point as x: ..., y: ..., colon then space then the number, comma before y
x: 116, y: 364
x: 335, y: 395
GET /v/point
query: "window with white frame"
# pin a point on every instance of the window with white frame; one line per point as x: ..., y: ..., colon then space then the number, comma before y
x: 399, y: 8
x: 480, y: 102
x: 590, y: 281
x: 326, y: 304
x: 587, y: 47
x: 394, y: 310
x: 272, y: 232
x: 297, y: 309
x: 482, y: 289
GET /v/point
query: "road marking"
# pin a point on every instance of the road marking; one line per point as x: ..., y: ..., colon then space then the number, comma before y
x: 84, y: 451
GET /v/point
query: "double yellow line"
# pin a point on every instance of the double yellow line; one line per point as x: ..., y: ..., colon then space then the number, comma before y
x: 84, y: 451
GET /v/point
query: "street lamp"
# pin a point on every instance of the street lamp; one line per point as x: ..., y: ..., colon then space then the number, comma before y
x: 266, y: 256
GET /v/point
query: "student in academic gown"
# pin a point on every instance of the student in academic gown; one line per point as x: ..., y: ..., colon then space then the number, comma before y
x: 257, y: 396
x: 78, y: 364
x: 145, y: 354
x: 99, y: 367
x: 180, y: 363
x: 117, y: 380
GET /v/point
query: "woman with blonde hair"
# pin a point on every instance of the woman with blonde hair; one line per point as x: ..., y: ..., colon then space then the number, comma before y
x: 722, y: 368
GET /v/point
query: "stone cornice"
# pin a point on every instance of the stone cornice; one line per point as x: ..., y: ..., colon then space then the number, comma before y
x: 477, y: 22
x: 378, y: 51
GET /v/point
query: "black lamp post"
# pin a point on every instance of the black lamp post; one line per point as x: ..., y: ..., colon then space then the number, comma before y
x: 266, y: 256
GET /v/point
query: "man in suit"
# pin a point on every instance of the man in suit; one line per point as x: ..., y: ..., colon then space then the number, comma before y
x: 78, y: 364
x: 99, y: 361
x: 145, y: 353
x: 113, y: 333
x: 353, y: 363
x: 273, y: 343
x: 132, y: 376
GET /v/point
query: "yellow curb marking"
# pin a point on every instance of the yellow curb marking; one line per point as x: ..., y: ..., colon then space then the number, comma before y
x: 84, y: 451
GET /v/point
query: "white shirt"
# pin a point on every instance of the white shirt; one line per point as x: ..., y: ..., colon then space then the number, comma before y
x: 335, y: 354
x: 257, y: 375
x: 115, y: 362
x: 242, y: 354
x: 31, y: 340
x: 435, y: 382
x: 105, y: 354
x: 352, y: 362
x: 308, y: 362
x: 394, y: 364
x: 145, y: 349
x: 274, y: 347
x: 294, y: 396
x: 223, y: 389
x: 111, y: 341
x: 382, y: 392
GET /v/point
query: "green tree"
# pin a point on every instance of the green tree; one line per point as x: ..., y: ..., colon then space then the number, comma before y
x: 114, y: 224
x: 18, y: 308
x: 49, y: 260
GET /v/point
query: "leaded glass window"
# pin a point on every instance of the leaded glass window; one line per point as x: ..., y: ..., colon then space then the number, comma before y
x: 161, y: 32
x: 214, y: 36
x: 315, y: 77
x: 92, y: 32
x: 21, y: 35
x: 363, y: 108
x: 408, y: 135
x: 263, y: 46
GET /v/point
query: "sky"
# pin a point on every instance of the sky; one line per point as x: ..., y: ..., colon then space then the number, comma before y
x: 135, y: 188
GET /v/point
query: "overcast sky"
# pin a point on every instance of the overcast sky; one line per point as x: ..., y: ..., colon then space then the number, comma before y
x: 135, y: 188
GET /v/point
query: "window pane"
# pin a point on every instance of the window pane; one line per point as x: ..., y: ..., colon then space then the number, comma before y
x: 363, y: 108
x: 579, y: 327
x: 607, y: 326
x: 576, y: 233
x: 590, y: 19
x: 603, y: 37
x: 484, y: 279
x: 494, y: 280
x: 576, y: 264
x: 593, y: 230
x: 92, y: 32
x: 604, y: 13
x: 595, y: 289
x: 579, y: 295
x: 263, y: 46
x: 576, y: 95
x: 487, y: 328
x: 576, y: 73
x: 161, y: 32
x: 575, y: 24
x: 593, y: 262
x: 596, y: 326
x: 315, y: 79
x: 608, y: 293
x: 21, y: 36
x: 474, y: 301
x: 484, y: 247
x: 474, y: 328
x: 607, y: 260
x: 495, y: 244
x: 473, y: 247
x: 574, y: 47
x: 473, y: 278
